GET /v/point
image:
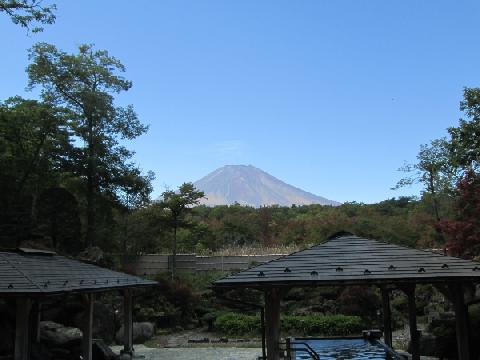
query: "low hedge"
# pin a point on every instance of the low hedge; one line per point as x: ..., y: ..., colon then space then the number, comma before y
x: 237, y: 324
x: 325, y: 325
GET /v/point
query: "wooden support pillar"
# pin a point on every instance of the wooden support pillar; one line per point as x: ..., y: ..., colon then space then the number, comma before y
x: 22, y: 325
x: 87, y: 330
x: 272, y: 319
x: 461, y: 320
x: 412, y: 320
x: 128, y: 323
x: 35, y: 318
x: 387, y: 317
x: 262, y: 321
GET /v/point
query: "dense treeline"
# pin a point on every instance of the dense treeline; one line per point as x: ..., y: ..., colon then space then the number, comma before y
x: 403, y: 221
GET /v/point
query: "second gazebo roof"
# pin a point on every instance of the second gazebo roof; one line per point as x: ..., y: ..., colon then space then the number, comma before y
x: 349, y: 259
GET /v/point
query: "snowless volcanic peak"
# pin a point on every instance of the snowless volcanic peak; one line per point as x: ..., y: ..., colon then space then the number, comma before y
x: 248, y: 185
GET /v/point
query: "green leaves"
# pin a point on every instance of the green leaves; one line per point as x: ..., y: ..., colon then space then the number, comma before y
x: 464, y: 145
x: 236, y: 324
x: 178, y: 202
x: 29, y: 12
x: 34, y: 142
x: 85, y: 83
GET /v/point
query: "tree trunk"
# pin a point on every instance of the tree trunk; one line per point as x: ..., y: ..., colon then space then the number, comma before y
x: 174, y: 250
x: 90, y: 187
x: 125, y: 238
x: 434, y: 196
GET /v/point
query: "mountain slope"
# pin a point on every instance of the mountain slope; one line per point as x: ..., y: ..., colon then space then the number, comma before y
x: 248, y: 185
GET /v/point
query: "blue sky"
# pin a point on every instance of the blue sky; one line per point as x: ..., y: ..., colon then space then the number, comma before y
x: 329, y: 96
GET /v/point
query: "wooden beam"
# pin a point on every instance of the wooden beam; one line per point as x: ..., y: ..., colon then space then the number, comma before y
x: 128, y: 323
x: 272, y: 320
x: 409, y: 290
x: 461, y: 321
x: 22, y: 325
x: 387, y: 317
x: 87, y: 339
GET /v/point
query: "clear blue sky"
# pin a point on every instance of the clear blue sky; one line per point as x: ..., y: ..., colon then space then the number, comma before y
x: 329, y: 96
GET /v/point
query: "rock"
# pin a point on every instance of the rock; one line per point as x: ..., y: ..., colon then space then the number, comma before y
x: 101, y: 351
x: 142, y: 332
x: 58, y: 335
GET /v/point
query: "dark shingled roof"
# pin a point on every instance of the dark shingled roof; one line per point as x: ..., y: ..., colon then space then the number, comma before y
x: 30, y: 272
x: 349, y: 259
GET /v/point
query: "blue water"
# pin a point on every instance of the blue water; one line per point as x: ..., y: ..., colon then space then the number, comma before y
x: 340, y: 349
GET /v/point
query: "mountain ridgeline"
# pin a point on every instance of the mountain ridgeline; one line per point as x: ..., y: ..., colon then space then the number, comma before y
x: 248, y: 185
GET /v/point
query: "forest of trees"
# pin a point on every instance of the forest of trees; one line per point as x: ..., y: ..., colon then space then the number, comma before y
x: 68, y: 181
x: 65, y: 174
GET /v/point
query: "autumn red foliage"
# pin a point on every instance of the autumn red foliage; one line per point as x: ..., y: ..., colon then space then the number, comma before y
x: 463, y: 232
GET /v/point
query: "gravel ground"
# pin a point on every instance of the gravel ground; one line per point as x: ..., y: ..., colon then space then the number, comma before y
x: 194, y: 353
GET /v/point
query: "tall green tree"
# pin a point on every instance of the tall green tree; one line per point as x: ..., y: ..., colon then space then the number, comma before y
x: 35, y: 151
x: 134, y: 192
x: 34, y: 142
x: 177, y: 205
x: 85, y: 83
x: 433, y: 170
x: 28, y: 13
x: 464, y: 144
x: 463, y: 231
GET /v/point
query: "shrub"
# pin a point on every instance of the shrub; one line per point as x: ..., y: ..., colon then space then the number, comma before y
x: 174, y: 299
x: 237, y: 324
x: 332, y: 325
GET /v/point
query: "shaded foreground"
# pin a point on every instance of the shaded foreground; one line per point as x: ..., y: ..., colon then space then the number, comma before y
x: 194, y: 353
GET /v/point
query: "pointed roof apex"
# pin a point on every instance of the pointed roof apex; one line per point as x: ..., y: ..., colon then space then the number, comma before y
x: 339, y: 234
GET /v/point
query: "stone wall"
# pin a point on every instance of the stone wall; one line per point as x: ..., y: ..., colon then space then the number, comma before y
x: 156, y: 263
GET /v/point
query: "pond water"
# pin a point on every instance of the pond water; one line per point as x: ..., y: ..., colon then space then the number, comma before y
x: 343, y: 349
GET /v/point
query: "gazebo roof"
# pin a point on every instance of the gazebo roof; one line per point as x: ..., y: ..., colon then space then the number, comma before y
x: 36, y: 273
x: 350, y: 260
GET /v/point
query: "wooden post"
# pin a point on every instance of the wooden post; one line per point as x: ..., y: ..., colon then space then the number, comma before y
x: 87, y: 339
x: 128, y: 322
x: 387, y: 317
x: 288, y: 347
x: 461, y: 320
x: 412, y: 319
x: 22, y: 325
x: 262, y: 322
x: 35, y: 318
x: 272, y: 317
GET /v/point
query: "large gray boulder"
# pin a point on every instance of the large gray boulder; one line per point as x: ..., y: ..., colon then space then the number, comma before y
x: 142, y: 332
x: 58, y: 335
